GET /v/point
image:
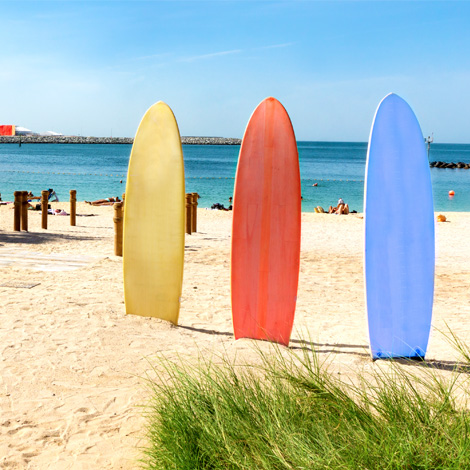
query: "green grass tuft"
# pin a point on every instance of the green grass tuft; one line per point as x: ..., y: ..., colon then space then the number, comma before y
x: 290, y: 412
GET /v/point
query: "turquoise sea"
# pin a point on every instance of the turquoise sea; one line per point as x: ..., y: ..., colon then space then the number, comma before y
x: 95, y: 171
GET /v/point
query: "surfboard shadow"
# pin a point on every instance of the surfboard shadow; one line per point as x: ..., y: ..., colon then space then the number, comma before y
x: 333, y: 345
x: 449, y: 366
x: 332, y: 349
x: 207, y: 332
x: 303, y: 345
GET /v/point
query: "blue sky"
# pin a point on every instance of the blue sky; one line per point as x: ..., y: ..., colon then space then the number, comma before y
x: 93, y: 68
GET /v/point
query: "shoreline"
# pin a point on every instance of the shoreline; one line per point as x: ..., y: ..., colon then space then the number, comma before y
x: 66, y: 204
x: 41, y: 139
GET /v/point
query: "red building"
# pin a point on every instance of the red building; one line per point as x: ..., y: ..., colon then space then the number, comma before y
x: 7, y: 130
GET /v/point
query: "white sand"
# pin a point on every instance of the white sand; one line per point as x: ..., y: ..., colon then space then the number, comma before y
x: 72, y: 363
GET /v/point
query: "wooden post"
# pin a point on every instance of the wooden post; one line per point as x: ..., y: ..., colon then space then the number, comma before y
x: 188, y: 213
x: 17, y: 214
x: 24, y: 211
x: 195, y: 197
x: 44, y: 204
x: 123, y: 202
x: 118, y: 225
x: 73, y: 207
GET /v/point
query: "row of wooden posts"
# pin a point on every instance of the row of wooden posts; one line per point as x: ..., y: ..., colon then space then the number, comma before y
x: 190, y: 219
x: 20, y: 219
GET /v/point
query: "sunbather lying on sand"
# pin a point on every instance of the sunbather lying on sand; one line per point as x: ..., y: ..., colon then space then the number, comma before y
x: 57, y: 212
x: 104, y: 202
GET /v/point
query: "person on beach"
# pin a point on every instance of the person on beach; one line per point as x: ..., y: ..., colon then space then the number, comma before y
x: 52, y: 194
x: 340, y: 209
x: 32, y: 197
x: 104, y: 202
x: 56, y: 212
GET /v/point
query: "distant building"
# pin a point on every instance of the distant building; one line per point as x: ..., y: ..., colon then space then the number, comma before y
x: 51, y: 133
x: 23, y: 131
x: 7, y: 130
x: 17, y: 130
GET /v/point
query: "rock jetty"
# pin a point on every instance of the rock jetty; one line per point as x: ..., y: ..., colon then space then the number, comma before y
x: 210, y: 141
x: 461, y: 165
x: 63, y: 139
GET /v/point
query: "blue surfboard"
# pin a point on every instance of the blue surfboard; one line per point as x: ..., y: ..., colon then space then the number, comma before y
x: 399, y: 234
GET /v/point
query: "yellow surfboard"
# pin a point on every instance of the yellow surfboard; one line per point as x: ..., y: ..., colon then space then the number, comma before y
x: 153, y: 245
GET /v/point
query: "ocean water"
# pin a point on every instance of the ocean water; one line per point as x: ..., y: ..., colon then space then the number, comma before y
x: 96, y: 172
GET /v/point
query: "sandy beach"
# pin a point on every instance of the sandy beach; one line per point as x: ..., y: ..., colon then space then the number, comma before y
x: 73, y: 365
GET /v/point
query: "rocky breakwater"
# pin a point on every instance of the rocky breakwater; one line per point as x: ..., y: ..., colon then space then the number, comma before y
x: 210, y: 141
x: 63, y: 139
x: 460, y: 165
x: 66, y: 139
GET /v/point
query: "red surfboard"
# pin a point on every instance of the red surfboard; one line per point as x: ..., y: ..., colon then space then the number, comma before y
x: 266, y: 227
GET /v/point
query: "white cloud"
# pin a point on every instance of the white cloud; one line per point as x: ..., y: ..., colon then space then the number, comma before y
x: 210, y: 56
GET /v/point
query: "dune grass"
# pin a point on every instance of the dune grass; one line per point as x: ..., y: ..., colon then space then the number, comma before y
x: 290, y: 412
